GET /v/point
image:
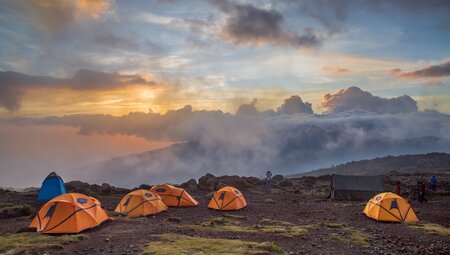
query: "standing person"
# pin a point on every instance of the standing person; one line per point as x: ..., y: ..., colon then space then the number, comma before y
x: 268, y: 179
x: 422, y: 192
x: 419, y: 191
x: 433, y: 183
x: 398, y: 189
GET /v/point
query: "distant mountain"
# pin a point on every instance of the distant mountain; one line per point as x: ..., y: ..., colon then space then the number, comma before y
x: 424, y: 163
x: 304, y: 149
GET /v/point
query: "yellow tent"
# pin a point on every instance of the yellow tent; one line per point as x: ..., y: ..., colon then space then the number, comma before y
x: 389, y: 207
x: 69, y: 213
x: 226, y: 199
x: 173, y: 196
x: 140, y: 203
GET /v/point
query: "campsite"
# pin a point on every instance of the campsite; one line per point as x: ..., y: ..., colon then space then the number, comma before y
x: 224, y: 127
x: 294, y: 216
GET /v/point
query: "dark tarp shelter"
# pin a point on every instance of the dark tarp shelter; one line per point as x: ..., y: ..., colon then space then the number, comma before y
x: 354, y: 187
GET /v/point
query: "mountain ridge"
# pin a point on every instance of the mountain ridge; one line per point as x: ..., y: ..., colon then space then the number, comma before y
x: 405, y: 164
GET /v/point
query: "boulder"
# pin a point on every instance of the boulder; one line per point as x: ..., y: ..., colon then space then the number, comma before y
x: 210, y: 182
x: 220, y: 184
x: 190, y: 186
x: 285, y: 183
x: 145, y: 186
x: 94, y: 189
x: 206, y: 182
x: 277, y: 178
x: 255, y: 181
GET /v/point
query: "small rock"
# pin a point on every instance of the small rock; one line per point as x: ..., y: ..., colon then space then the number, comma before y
x: 174, y: 219
x: 270, y: 201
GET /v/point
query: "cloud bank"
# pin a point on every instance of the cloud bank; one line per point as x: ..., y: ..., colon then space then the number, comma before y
x: 288, y: 140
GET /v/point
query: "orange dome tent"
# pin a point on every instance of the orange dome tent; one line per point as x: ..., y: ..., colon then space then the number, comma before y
x: 173, y: 196
x: 141, y: 203
x: 69, y: 213
x: 389, y: 207
x: 227, y: 198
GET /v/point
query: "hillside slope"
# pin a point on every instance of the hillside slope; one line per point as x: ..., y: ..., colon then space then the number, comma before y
x: 424, y: 163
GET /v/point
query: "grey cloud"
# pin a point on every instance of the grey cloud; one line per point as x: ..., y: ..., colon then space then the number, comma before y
x: 246, y: 24
x: 433, y: 71
x: 354, y: 98
x: 114, y: 41
x: 13, y: 85
x: 295, y: 105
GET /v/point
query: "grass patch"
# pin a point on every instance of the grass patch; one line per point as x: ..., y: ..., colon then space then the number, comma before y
x: 337, y: 237
x: 331, y: 225
x: 27, y: 243
x: 15, y: 211
x: 282, y: 228
x: 274, y: 222
x: 3, y: 205
x: 173, y: 244
x: 233, y: 216
x: 349, y: 234
x: 275, y: 248
x: 360, y: 238
x: 285, y: 231
x: 431, y: 228
x: 356, y: 237
x: 217, y: 221
x: 223, y: 224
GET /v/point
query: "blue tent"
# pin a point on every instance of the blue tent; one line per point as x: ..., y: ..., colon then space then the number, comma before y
x: 52, y: 187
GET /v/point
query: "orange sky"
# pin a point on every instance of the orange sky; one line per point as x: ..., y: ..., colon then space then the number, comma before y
x: 36, y: 150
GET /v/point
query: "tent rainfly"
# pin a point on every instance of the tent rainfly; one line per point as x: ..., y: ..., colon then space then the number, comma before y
x: 52, y: 187
x: 353, y: 187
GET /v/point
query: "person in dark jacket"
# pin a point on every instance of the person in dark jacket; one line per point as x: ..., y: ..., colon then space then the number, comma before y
x: 419, y: 191
x: 422, y: 192
x: 398, y: 189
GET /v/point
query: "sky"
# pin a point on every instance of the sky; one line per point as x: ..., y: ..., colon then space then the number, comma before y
x: 217, y: 54
x: 70, y: 62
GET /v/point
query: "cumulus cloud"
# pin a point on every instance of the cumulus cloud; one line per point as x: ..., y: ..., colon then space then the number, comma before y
x: 13, y: 85
x: 53, y: 16
x: 433, y: 71
x: 247, y: 24
x: 248, y: 109
x: 294, y: 105
x: 354, y: 98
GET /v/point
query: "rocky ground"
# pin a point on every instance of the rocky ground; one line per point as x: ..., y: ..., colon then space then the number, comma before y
x: 294, y: 217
